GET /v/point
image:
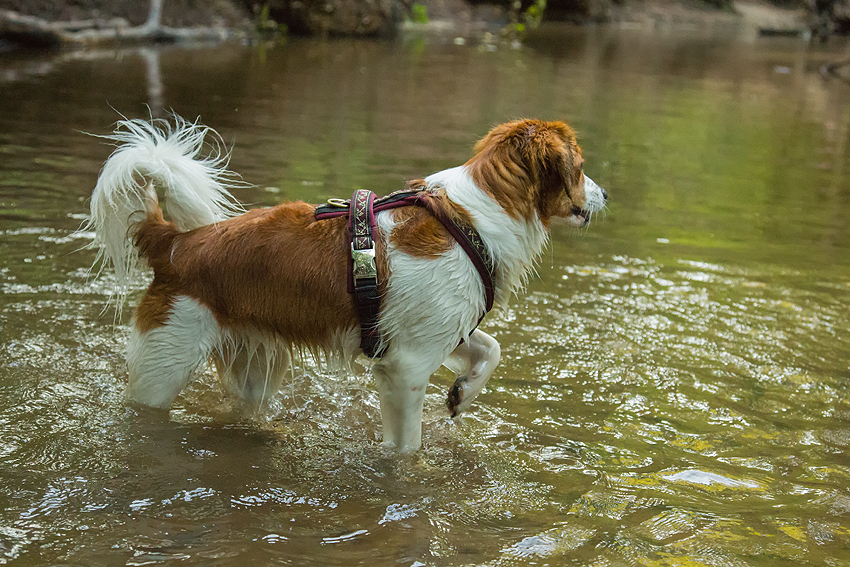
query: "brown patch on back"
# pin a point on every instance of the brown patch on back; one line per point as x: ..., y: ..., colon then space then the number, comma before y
x: 418, y: 233
x: 276, y: 269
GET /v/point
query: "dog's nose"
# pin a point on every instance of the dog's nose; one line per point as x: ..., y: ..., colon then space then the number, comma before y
x: 604, y: 194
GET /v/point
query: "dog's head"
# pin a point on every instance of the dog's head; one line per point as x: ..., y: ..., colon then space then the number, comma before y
x: 533, y: 166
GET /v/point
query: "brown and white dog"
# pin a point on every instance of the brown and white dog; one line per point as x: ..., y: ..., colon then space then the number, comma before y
x: 248, y: 288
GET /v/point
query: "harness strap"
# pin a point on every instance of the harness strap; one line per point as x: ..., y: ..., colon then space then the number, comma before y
x: 364, y: 271
x: 341, y: 207
x: 470, y: 240
x: 361, y: 211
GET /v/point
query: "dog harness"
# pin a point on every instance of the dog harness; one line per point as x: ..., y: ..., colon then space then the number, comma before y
x: 363, y: 272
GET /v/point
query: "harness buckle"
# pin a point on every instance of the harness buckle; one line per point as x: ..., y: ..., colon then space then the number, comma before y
x: 363, y: 264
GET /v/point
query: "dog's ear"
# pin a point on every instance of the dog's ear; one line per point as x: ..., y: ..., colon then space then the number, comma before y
x: 549, y: 148
x: 554, y: 162
x: 530, y: 166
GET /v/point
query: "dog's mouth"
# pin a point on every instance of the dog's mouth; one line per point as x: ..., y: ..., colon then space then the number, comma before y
x: 579, y: 217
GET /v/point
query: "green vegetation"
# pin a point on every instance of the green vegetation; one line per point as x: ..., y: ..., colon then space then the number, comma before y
x: 524, y: 20
x: 418, y: 13
x: 267, y: 25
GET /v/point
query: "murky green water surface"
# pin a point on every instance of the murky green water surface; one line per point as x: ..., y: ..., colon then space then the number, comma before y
x: 674, y: 385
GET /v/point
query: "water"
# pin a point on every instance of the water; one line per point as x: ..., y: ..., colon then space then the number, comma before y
x: 674, y: 384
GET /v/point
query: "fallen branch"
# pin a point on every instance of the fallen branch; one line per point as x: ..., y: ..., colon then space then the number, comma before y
x: 79, y: 25
x: 146, y: 33
x: 31, y: 31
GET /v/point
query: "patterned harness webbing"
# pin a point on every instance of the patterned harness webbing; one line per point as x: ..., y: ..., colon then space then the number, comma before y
x: 363, y: 275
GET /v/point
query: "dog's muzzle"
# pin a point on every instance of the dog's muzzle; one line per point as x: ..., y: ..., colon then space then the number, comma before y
x: 595, y: 199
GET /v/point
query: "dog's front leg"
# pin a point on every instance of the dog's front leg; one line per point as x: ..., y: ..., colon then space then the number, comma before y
x: 473, y: 361
x: 402, y: 382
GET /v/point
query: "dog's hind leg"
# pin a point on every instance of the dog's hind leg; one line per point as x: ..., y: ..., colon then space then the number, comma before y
x: 473, y: 362
x: 252, y: 367
x: 161, y: 359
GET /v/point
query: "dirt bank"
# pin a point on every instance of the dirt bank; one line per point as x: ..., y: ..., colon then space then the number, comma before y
x: 374, y: 17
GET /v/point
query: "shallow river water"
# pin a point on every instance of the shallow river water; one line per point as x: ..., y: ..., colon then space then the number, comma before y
x: 675, y: 382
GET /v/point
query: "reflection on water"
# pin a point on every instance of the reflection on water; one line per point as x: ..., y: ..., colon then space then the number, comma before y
x: 673, y: 387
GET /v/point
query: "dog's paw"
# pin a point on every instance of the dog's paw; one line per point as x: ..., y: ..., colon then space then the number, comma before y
x: 455, y: 398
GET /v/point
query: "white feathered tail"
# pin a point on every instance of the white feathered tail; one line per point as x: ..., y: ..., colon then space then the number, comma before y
x: 157, y: 155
